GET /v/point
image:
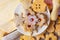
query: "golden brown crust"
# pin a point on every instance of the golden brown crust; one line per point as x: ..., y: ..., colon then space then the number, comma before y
x: 58, y: 20
x: 57, y: 30
x: 23, y: 37
x: 51, y: 27
x: 50, y: 36
x: 38, y: 6
x: 40, y: 36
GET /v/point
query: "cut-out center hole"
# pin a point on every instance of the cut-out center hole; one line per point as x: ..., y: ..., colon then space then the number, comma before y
x: 32, y: 19
x: 29, y: 25
x: 22, y: 39
x: 39, y: 7
x: 36, y: 8
x: 50, y: 38
x: 39, y: 19
x: 28, y: 14
x: 39, y: 4
x: 41, y: 39
x: 36, y: 4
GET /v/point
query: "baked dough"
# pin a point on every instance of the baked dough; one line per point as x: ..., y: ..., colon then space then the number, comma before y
x: 39, y: 6
x: 26, y: 37
x: 57, y: 30
x: 51, y: 27
x: 50, y: 36
x: 40, y: 37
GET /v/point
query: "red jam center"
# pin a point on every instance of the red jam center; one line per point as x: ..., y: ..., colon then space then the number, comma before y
x: 39, y: 19
x: 32, y: 19
x: 29, y: 25
x: 28, y: 14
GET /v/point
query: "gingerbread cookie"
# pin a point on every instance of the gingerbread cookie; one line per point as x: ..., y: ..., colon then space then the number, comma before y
x: 51, y: 27
x: 57, y: 30
x: 26, y: 37
x: 38, y: 6
x: 40, y: 37
x: 50, y: 36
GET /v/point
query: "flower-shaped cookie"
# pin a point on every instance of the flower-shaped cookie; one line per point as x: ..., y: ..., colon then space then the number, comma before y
x: 39, y: 6
x: 57, y: 30
x: 40, y: 37
x: 58, y: 21
x: 50, y: 36
x: 51, y: 27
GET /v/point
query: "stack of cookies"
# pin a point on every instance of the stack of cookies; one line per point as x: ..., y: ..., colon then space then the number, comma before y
x: 52, y: 33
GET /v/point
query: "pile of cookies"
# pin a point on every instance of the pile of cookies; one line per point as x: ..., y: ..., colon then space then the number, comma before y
x: 33, y: 15
x: 52, y: 33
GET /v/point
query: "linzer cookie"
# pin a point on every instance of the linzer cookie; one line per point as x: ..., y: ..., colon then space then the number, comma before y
x: 38, y: 6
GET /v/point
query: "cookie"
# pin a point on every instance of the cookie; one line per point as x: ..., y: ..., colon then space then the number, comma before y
x: 51, y: 27
x: 26, y: 37
x: 38, y: 6
x: 58, y: 20
x: 57, y: 30
x: 28, y: 28
x: 50, y: 36
x: 40, y: 37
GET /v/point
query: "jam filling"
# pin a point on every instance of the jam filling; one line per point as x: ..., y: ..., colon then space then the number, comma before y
x: 32, y: 19
x: 29, y: 25
x: 28, y: 14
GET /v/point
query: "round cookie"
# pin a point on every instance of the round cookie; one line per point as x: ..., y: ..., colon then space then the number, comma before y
x: 38, y: 6
x: 23, y: 37
x: 50, y: 36
x: 51, y: 27
x: 57, y: 30
x: 40, y: 37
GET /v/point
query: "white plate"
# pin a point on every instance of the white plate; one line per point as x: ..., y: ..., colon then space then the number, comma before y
x: 20, y: 9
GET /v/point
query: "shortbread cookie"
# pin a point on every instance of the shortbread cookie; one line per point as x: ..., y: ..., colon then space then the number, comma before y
x: 26, y: 37
x: 58, y: 20
x: 51, y: 27
x: 40, y: 37
x: 38, y: 6
x: 50, y: 36
x: 57, y: 30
